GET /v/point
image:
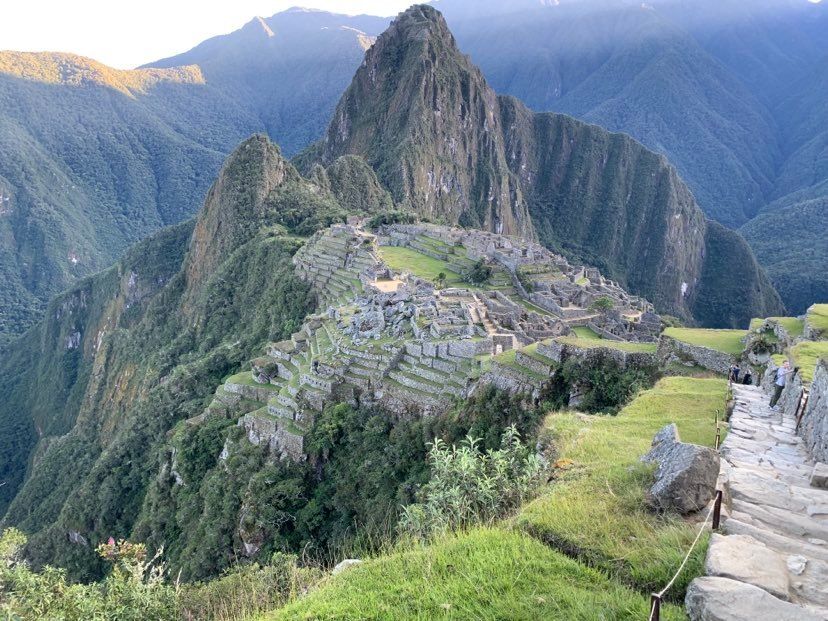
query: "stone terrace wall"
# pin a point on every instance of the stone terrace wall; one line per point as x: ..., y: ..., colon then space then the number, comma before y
x: 672, y: 350
x: 814, y: 425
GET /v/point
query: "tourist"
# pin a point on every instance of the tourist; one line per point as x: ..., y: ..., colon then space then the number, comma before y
x: 747, y: 380
x: 782, y: 374
x: 734, y: 373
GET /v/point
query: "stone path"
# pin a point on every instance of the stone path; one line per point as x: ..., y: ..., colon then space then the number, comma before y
x: 772, y: 562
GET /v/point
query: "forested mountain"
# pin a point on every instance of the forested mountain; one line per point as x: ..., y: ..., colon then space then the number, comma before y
x: 90, y: 393
x: 440, y: 139
x: 732, y: 93
x: 95, y: 159
x: 286, y: 71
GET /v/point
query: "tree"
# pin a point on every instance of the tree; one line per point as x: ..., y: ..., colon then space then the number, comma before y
x: 479, y: 273
x: 602, y: 304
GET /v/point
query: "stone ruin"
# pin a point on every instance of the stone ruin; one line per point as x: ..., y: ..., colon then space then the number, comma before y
x: 391, y: 338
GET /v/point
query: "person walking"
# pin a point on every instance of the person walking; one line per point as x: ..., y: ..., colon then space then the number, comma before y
x: 782, y: 374
x: 734, y: 373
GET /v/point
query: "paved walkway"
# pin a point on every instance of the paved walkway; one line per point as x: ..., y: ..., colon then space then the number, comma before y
x: 772, y: 561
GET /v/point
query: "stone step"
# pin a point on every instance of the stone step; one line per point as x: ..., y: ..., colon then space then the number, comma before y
x: 783, y: 521
x: 711, y: 598
x: 778, y: 541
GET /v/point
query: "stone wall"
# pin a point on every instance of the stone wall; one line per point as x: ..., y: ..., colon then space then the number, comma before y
x: 814, y: 425
x: 560, y: 352
x: 671, y: 350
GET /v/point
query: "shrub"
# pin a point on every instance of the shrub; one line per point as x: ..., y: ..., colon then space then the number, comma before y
x: 247, y: 590
x: 392, y: 217
x: 469, y: 487
x: 134, y: 590
x: 478, y: 273
x: 605, y: 385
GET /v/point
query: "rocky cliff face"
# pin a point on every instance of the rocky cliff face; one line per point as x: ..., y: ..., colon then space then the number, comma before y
x: 423, y: 116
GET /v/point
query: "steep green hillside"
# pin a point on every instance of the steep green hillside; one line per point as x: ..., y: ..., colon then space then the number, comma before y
x: 638, y: 71
x: 732, y: 92
x: 789, y: 239
x: 458, y: 153
x: 95, y: 159
x: 127, y: 354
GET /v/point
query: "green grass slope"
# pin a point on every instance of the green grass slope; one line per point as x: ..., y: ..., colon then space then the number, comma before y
x: 487, y: 573
x: 725, y: 341
x: 594, y: 509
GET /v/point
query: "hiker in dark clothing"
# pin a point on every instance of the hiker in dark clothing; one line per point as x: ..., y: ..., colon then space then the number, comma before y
x: 747, y: 380
x: 734, y: 373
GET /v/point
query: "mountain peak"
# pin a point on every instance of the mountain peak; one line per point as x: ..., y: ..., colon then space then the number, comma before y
x: 236, y: 204
x: 426, y: 120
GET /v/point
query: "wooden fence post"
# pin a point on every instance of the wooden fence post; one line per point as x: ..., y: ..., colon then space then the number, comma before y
x: 655, y: 607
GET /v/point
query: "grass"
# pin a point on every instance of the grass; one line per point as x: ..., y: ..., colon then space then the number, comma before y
x: 817, y: 318
x: 806, y: 354
x: 486, y: 573
x: 585, y: 332
x: 591, y: 343
x: 793, y: 326
x: 507, y: 359
x: 595, y: 508
x: 725, y: 341
x: 401, y: 259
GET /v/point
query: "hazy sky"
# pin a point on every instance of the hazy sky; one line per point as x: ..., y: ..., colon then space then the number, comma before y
x: 126, y: 34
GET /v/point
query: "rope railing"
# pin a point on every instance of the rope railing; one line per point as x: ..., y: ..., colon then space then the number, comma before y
x: 713, y: 515
x: 655, y: 598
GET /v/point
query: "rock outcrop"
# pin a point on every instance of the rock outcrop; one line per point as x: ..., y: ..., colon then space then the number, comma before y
x: 685, y: 479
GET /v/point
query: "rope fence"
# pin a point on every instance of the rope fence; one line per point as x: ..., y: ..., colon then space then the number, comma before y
x: 713, y: 516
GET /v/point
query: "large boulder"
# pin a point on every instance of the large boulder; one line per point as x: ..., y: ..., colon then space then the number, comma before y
x: 685, y: 479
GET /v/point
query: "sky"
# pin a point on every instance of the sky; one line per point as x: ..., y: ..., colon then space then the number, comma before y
x: 126, y: 34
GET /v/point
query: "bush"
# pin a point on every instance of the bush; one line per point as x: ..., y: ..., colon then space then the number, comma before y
x: 478, y: 274
x: 134, y: 590
x: 392, y: 217
x: 248, y: 590
x: 604, y: 384
x: 469, y: 487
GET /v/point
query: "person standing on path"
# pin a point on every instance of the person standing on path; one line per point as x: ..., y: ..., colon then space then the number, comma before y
x: 782, y: 374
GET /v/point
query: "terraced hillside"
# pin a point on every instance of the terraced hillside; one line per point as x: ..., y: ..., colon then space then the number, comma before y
x: 404, y: 329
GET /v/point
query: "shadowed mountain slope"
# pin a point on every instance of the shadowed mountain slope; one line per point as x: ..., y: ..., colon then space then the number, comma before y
x: 441, y: 140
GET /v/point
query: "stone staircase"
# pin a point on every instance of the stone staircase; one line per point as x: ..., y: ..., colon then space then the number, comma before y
x: 771, y: 563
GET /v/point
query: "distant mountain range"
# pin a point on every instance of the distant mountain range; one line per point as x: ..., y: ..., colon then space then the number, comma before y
x: 732, y: 92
